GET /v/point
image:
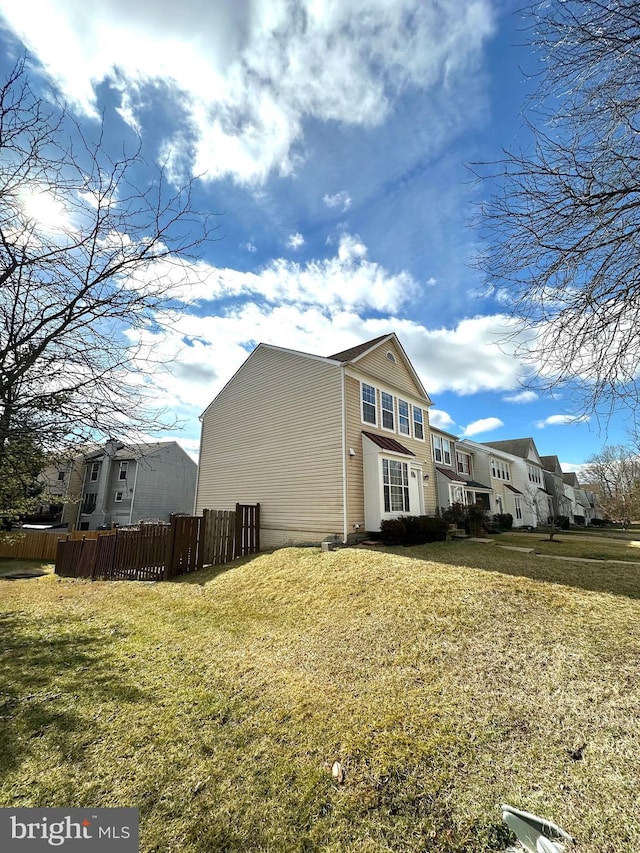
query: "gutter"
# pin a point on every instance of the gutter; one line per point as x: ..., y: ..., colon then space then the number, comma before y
x: 345, y: 520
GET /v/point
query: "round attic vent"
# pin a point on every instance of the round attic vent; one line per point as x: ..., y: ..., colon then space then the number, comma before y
x: 391, y: 357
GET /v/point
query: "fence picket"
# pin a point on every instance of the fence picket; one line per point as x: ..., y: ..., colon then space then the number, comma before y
x: 156, y: 552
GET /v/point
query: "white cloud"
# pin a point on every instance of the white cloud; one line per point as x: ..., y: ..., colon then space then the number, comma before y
x: 441, y: 420
x: 245, y: 77
x: 341, y: 199
x: 249, y: 246
x: 561, y: 420
x: 521, y: 397
x: 482, y: 425
x: 346, y: 280
x: 295, y: 241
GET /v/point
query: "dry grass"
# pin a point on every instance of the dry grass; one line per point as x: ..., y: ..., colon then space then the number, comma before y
x: 446, y: 679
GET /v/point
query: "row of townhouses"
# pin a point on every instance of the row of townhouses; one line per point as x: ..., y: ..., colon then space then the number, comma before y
x: 330, y: 446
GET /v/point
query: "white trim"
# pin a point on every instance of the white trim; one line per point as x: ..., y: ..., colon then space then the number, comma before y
x: 343, y: 426
x: 374, y: 404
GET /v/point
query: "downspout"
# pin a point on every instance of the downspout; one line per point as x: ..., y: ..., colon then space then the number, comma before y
x: 133, y: 496
x: 345, y: 519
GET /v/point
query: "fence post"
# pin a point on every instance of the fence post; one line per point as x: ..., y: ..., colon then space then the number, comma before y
x: 256, y: 540
x: 168, y: 560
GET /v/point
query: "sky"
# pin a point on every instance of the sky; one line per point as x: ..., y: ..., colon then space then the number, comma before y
x: 334, y: 138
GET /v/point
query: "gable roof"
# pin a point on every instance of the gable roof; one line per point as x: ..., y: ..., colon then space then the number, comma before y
x: 355, y: 352
x: 551, y: 463
x: 516, y: 447
x: 571, y: 479
x: 387, y: 443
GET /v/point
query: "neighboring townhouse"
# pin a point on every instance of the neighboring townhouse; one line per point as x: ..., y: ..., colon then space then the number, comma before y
x: 581, y: 503
x: 124, y: 484
x: 455, y: 479
x: 563, y: 499
x: 330, y: 446
x: 61, y: 492
x: 533, y: 501
x: 494, y: 468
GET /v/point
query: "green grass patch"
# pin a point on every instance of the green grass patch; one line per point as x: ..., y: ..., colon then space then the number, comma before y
x: 445, y: 679
x: 564, y: 544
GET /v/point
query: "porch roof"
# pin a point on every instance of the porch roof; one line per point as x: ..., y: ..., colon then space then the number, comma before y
x: 460, y: 478
x: 512, y: 489
x: 387, y: 443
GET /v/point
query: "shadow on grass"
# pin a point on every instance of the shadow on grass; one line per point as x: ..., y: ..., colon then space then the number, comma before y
x: 53, y: 672
x: 209, y: 573
x: 612, y: 578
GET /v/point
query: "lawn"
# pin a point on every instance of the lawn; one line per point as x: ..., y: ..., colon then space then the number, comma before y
x: 563, y: 544
x: 445, y: 679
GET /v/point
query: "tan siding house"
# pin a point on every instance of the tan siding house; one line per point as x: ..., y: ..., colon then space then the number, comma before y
x: 273, y: 435
x: 329, y: 446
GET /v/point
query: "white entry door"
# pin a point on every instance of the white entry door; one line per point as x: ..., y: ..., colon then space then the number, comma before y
x: 416, y: 492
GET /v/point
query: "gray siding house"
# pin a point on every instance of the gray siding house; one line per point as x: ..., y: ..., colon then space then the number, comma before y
x: 124, y: 484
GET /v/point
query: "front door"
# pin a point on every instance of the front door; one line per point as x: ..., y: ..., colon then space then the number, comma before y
x: 416, y: 492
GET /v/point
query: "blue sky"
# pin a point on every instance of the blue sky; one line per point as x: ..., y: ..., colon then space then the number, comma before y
x: 333, y: 136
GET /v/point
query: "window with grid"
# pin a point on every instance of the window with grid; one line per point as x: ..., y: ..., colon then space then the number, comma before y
x: 403, y: 417
x: 395, y: 481
x: 368, y: 404
x: 95, y: 470
x: 446, y: 451
x: 386, y: 404
x: 464, y: 463
x: 122, y: 473
x: 418, y: 423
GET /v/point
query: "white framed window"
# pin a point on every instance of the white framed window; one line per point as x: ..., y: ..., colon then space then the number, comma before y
x: 500, y: 470
x: 463, y: 461
x: 122, y: 471
x: 518, y: 506
x: 94, y: 472
x: 119, y: 496
x: 418, y: 423
x: 404, y: 426
x: 369, y: 404
x: 441, y: 449
x: 60, y: 475
x: 534, y: 474
x: 457, y: 495
x: 395, y: 483
x: 386, y: 405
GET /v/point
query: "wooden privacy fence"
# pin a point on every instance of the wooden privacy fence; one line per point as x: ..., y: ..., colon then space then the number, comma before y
x: 157, y: 552
x: 39, y: 544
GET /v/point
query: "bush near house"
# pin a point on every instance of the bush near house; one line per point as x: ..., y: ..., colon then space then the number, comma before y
x: 413, y: 530
x: 504, y: 520
x: 473, y: 518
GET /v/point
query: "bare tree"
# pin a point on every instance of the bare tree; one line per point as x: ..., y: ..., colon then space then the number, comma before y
x: 562, y: 227
x: 615, y: 472
x: 78, y: 285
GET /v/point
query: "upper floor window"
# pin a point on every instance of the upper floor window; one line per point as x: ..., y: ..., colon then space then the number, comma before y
x: 442, y: 449
x: 386, y: 404
x: 94, y: 472
x: 534, y: 474
x: 60, y: 475
x: 500, y: 470
x: 119, y: 496
x: 122, y: 472
x: 418, y: 423
x: 369, y: 404
x: 403, y: 417
x: 463, y: 463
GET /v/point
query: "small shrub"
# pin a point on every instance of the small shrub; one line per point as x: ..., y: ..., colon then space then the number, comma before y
x: 504, y: 520
x: 393, y: 531
x: 413, y: 530
x: 600, y: 522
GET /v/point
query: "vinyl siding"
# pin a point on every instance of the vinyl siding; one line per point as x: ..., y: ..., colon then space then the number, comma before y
x: 385, y: 372
x: 354, y: 428
x: 273, y: 435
